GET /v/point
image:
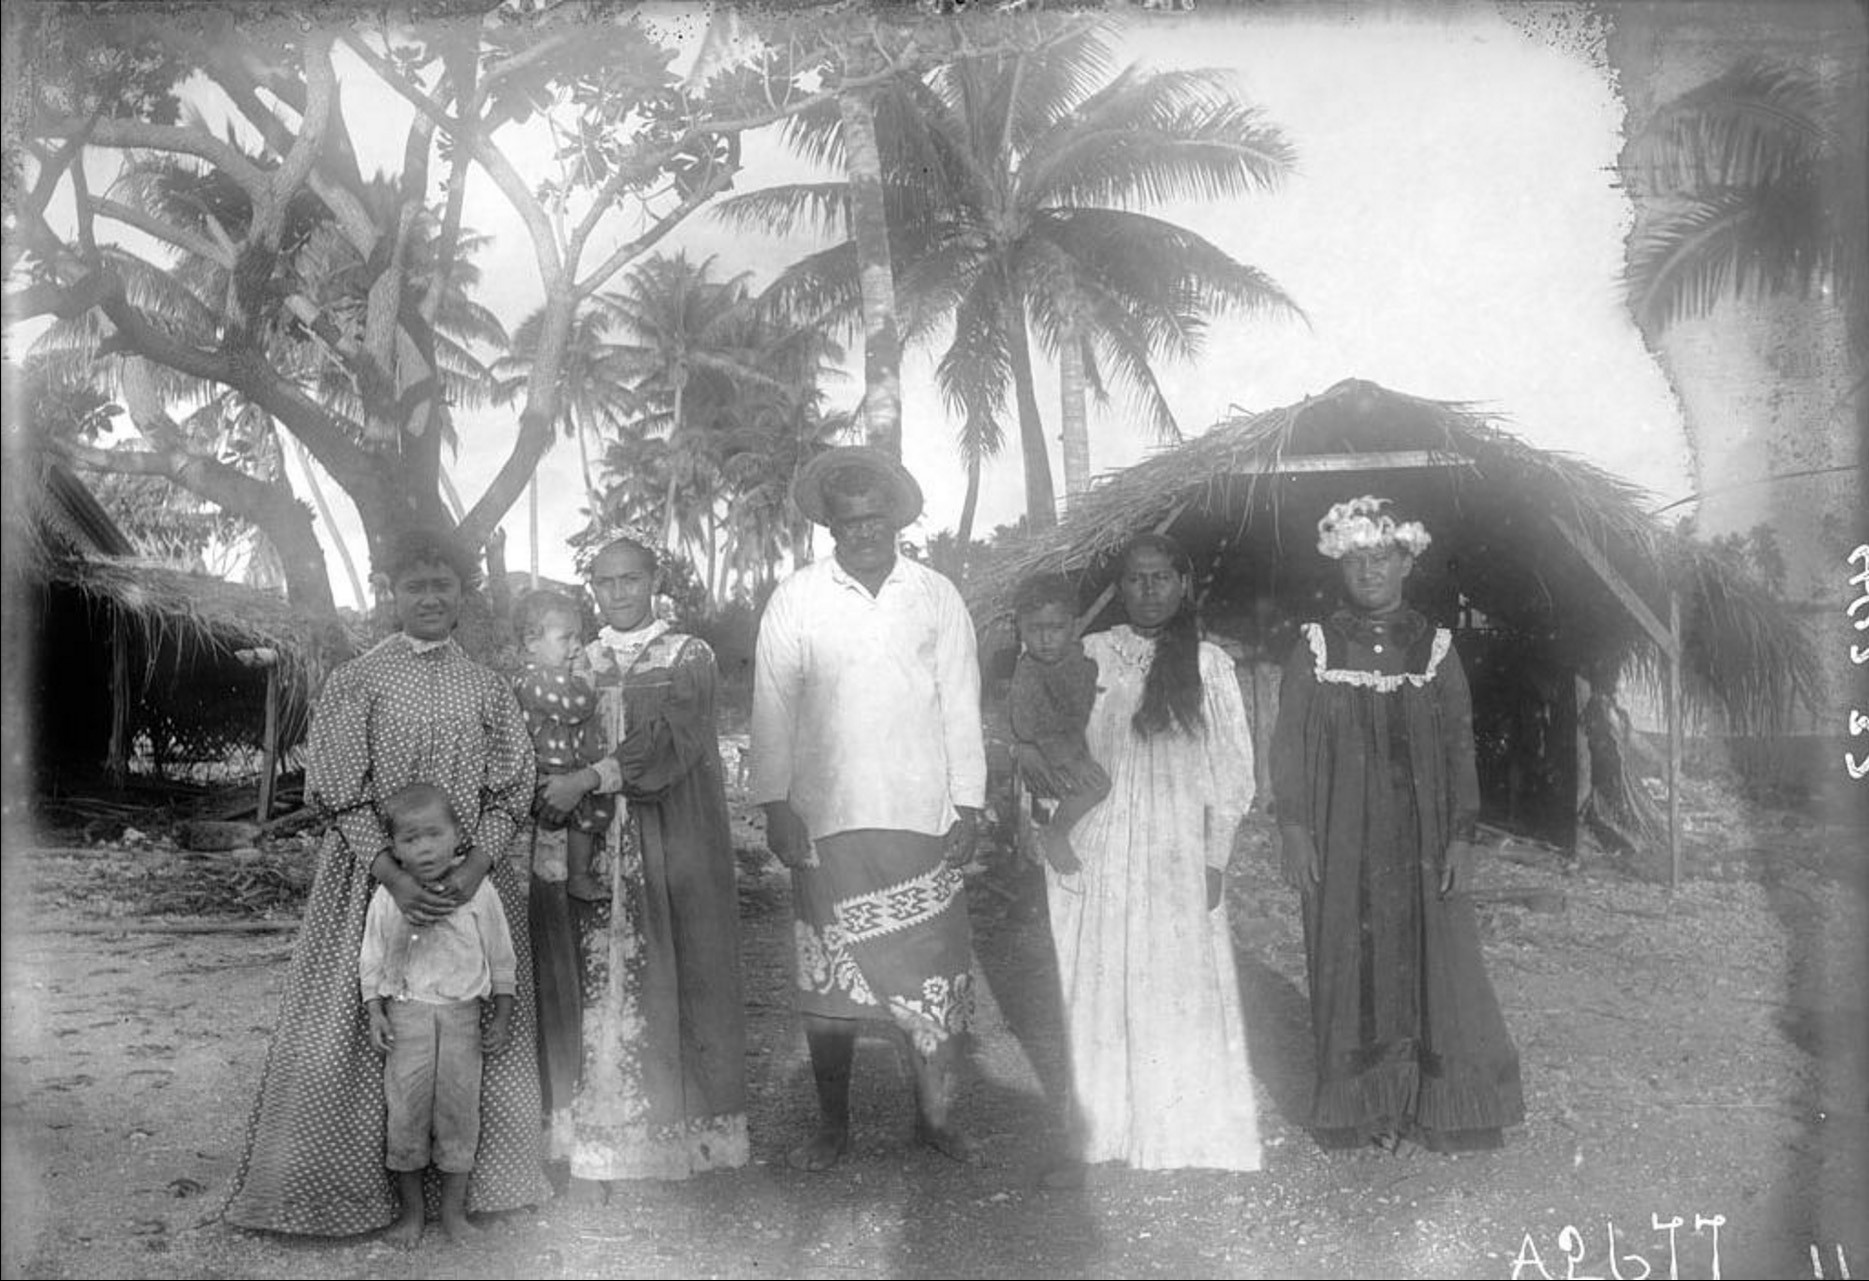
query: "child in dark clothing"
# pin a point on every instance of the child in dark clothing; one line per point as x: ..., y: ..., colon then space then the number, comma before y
x: 1053, y: 690
x: 561, y: 713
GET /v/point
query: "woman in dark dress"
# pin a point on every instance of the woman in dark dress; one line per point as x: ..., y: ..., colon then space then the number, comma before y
x: 662, y: 1094
x: 1376, y: 799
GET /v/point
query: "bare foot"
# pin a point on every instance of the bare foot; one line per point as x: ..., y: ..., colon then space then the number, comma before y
x: 584, y: 887
x: 1058, y: 851
x: 949, y: 1142
x: 460, y: 1230
x: 405, y: 1233
x: 821, y: 1151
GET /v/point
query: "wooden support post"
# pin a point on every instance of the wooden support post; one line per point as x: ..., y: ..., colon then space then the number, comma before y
x: 1674, y: 741
x: 269, y: 741
x: 269, y: 766
x: 117, y: 762
x: 1668, y: 640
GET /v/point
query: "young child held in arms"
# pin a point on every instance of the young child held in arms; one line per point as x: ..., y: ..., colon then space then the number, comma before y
x: 1053, y: 689
x: 561, y: 713
x: 423, y: 989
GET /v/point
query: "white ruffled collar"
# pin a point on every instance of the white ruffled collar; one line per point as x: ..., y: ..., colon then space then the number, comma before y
x: 636, y: 639
x: 1130, y: 646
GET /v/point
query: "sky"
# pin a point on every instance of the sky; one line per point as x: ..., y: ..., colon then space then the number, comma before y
x: 1453, y: 230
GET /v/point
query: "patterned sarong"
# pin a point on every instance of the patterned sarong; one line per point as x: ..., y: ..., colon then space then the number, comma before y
x: 881, y: 932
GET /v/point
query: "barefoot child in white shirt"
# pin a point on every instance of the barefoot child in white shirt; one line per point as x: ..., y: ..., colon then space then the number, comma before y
x: 423, y: 989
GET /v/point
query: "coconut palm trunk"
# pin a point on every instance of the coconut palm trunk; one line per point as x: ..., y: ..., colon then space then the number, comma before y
x: 968, y: 507
x: 882, y: 344
x: 1041, y: 500
x: 1074, y: 416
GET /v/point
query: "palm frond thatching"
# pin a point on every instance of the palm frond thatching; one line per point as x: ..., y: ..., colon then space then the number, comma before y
x: 1246, y: 495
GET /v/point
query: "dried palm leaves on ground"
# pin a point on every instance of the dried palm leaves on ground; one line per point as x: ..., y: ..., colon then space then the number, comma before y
x: 117, y: 881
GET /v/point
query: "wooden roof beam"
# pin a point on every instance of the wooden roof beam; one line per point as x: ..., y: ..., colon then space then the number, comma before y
x: 1593, y: 556
x: 1393, y: 460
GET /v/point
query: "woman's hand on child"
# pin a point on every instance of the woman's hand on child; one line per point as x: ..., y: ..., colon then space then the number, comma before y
x: 463, y: 879
x: 380, y: 1035
x: 559, y: 794
x: 422, y: 904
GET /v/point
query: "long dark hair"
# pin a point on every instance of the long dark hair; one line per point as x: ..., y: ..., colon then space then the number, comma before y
x: 1171, y: 693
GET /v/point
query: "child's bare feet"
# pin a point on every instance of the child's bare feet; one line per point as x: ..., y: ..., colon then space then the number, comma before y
x: 584, y: 887
x: 405, y: 1233
x: 1056, y: 846
x: 460, y: 1229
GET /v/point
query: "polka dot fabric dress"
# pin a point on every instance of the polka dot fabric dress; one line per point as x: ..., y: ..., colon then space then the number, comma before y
x: 401, y: 713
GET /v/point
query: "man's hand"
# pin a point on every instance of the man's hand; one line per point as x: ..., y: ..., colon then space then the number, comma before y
x: 380, y: 1035
x: 1298, y: 858
x: 499, y: 1031
x: 1457, y: 868
x: 962, y: 838
x: 786, y: 836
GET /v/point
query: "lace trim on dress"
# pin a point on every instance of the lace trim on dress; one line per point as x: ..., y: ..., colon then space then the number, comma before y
x: 1314, y: 636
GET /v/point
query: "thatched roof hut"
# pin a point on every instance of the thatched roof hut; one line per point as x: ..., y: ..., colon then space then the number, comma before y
x: 1554, y: 564
x: 124, y: 647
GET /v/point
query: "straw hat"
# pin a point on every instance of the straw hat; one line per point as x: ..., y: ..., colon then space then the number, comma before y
x: 905, y: 496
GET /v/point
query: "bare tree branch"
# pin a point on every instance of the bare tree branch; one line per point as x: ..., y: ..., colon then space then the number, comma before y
x: 508, y: 179
x: 624, y: 254
x: 219, y: 252
x: 186, y: 140
x: 320, y: 93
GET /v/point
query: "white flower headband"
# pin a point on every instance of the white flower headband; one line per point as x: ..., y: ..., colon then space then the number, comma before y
x: 1360, y: 525
x: 587, y: 544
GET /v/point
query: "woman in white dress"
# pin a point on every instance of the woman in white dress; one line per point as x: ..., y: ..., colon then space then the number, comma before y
x: 1145, y: 959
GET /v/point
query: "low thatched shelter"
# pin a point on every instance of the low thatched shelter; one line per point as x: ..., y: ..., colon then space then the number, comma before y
x: 124, y: 649
x: 1551, y: 570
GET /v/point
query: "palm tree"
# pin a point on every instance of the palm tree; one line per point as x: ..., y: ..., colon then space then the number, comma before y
x: 684, y: 349
x: 593, y: 395
x: 1759, y: 173
x: 1007, y: 184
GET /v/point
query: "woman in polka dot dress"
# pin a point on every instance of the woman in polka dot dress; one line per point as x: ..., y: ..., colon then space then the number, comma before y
x: 413, y: 709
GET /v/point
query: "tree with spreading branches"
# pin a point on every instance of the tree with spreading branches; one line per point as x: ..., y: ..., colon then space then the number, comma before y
x: 633, y: 150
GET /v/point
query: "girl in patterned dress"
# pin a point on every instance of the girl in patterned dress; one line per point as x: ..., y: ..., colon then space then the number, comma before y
x: 413, y: 709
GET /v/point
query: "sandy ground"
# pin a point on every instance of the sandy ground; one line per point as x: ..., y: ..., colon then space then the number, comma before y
x: 1697, y: 1057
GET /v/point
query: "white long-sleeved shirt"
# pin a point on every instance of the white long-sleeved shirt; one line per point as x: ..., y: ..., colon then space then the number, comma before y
x: 465, y: 956
x: 866, y: 709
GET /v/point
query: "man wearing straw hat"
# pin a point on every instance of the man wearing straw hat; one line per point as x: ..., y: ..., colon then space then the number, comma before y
x: 869, y: 762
